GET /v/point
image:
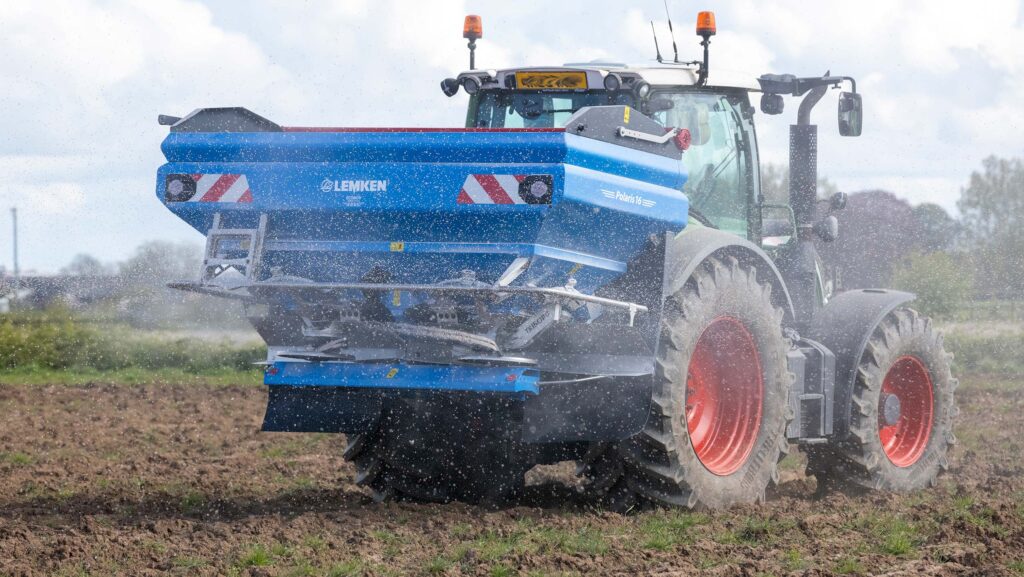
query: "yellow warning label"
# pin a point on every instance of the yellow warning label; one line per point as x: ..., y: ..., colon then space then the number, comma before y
x: 397, y: 246
x: 625, y: 115
x: 396, y: 298
x: 576, y: 267
x: 391, y: 374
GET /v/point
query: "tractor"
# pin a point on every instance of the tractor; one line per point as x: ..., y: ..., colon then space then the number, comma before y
x: 587, y: 271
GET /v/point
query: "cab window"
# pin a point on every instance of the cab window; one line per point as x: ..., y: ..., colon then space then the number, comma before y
x: 533, y: 109
x: 719, y: 183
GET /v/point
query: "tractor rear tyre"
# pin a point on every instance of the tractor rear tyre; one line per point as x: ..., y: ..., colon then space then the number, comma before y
x: 901, y: 426
x: 717, y: 427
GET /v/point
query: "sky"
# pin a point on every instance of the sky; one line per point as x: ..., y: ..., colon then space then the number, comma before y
x: 82, y: 82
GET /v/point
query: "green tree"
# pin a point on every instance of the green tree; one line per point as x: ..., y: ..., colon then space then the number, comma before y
x: 86, y: 265
x: 147, y: 302
x: 877, y: 231
x: 992, y: 206
x: 940, y: 282
x: 938, y: 231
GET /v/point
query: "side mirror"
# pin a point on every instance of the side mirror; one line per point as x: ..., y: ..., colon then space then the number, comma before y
x: 851, y: 114
x: 827, y: 228
x: 778, y: 225
x: 772, y: 227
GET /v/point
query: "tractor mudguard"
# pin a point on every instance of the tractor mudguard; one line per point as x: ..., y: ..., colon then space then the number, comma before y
x: 844, y: 326
x: 687, y: 250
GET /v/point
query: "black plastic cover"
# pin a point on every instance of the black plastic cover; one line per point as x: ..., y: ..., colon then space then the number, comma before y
x: 321, y: 410
x: 234, y: 119
x: 603, y: 123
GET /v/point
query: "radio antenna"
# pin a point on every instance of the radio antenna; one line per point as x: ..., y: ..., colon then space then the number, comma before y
x: 675, y: 51
x: 656, y: 49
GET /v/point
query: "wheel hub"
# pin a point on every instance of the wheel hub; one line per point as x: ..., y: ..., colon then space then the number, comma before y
x: 724, y: 394
x: 890, y: 413
x: 905, y: 411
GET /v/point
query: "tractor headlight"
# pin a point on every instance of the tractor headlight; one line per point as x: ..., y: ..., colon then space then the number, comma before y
x: 471, y: 85
x: 642, y: 89
x: 449, y: 86
x: 612, y: 82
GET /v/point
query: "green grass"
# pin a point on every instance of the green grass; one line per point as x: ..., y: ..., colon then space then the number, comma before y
x: 794, y: 560
x: 664, y: 530
x: 256, y: 556
x: 186, y: 562
x: 980, y: 516
x: 130, y: 376
x: 302, y: 568
x: 492, y: 546
x: 56, y: 340
x: 1016, y: 566
x: 438, y: 565
x: 349, y: 568
x: 15, y: 458
x: 586, y: 541
x: 392, y: 541
x: 461, y: 530
x: 986, y: 354
x: 192, y: 501
x: 849, y: 566
x: 315, y: 542
x: 899, y: 544
x: 894, y: 535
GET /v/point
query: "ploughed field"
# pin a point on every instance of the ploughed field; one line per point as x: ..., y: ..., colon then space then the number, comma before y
x: 171, y: 479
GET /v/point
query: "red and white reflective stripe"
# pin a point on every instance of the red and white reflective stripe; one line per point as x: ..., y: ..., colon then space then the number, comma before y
x: 221, y: 188
x: 491, y: 189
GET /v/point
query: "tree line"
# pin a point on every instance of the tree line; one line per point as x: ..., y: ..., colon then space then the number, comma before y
x: 947, y: 261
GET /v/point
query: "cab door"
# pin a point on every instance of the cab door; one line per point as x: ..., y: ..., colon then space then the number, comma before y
x: 722, y: 185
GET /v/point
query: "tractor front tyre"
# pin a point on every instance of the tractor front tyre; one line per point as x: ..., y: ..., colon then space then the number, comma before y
x: 901, y: 422
x: 717, y: 427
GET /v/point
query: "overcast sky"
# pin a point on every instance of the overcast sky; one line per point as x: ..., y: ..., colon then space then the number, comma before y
x: 82, y: 81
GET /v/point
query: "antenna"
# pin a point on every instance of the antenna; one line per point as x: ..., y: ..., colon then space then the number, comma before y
x: 675, y: 51
x: 656, y: 49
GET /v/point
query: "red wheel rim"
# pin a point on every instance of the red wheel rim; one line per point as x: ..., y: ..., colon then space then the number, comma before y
x: 725, y: 389
x: 904, y: 442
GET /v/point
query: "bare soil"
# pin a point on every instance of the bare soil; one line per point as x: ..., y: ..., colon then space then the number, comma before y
x: 171, y: 479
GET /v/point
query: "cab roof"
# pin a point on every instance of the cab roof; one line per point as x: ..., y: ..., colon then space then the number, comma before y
x: 656, y: 74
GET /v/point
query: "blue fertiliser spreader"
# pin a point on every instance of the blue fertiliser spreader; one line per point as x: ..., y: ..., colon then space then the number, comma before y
x: 424, y: 259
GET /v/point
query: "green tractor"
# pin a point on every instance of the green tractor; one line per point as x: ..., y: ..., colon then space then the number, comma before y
x: 587, y: 271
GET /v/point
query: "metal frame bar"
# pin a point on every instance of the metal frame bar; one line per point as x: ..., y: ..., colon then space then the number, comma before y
x: 560, y: 293
x: 541, y: 291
